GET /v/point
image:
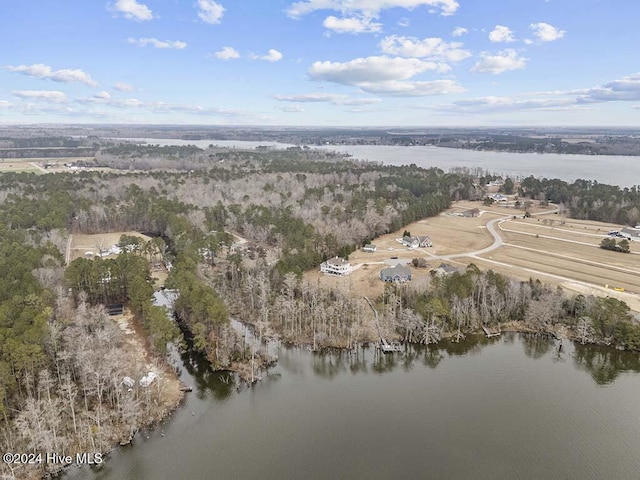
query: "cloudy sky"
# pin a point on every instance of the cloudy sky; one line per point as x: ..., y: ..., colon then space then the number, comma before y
x: 321, y: 62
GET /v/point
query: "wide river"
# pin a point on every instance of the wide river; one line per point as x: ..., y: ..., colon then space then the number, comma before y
x: 512, y: 407
x: 609, y: 169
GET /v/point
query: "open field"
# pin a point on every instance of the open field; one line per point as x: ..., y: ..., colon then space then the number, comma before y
x: 18, y: 165
x: 79, y: 245
x: 49, y: 165
x: 548, y: 247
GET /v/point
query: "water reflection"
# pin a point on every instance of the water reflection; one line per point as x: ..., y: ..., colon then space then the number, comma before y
x: 204, y: 380
x: 604, y: 363
x: 537, y: 345
x: 477, y: 411
x: 432, y: 356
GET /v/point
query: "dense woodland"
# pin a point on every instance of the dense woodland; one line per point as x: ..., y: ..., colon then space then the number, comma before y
x: 60, y: 352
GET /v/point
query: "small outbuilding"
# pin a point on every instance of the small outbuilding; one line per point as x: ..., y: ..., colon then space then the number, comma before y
x: 369, y: 248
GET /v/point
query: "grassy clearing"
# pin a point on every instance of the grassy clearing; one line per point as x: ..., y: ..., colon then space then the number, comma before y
x: 80, y: 244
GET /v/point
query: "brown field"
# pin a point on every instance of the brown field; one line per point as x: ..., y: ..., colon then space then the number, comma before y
x: 85, y: 243
x: 551, y: 248
x: 18, y: 165
x: 37, y: 165
x: 80, y: 244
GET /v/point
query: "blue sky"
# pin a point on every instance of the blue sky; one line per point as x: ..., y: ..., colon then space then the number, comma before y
x: 321, y: 62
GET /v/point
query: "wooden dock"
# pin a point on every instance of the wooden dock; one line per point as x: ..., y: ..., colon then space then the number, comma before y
x: 489, y: 333
x: 384, y: 345
x: 387, y: 347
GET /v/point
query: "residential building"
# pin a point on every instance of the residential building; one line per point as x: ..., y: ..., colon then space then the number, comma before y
x: 336, y: 266
x: 415, y: 242
x: 474, y: 212
x: 446, y: 269
x: 399, y: 273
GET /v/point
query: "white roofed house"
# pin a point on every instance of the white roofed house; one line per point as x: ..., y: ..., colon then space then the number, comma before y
x: 410, y: 242
x: 336, y: 266
x: 416, y: 242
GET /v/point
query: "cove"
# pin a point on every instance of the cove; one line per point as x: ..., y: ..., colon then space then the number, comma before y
x: 511, y: 407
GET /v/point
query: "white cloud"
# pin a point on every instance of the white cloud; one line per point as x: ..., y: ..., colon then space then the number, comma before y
x: 210, y: 11
x: 322, y: 97
x: 5, y: 104
x: 501, y: 34
x: 545, y: 32
x: 227, y: 53
x: 499, y: 104
x: 129, y: 102
x: 637, y: 107
x: 433, y: 48
x: 369, y: 69
x: 351, y: 25
x: 501, y: 62
x: 102, y: 95
x: 404, y: 22
x: 133, y: 10
x: 459, y: 31
x: 162, y: 108
x: 367, y: 8
x: 154, y: 42
x: 384, y: 76
x: 273, y: 56
x: 414, y: 89
x: 291, y: 108
x: 123, y: 87
x: 40, y: 70
x: 44, y: 95
x: 625, y: 89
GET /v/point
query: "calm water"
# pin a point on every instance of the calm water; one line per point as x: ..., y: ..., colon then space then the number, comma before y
x: 609, y: 169
x: 510, y: 408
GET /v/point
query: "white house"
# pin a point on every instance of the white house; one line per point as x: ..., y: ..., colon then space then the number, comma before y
x: 336, y: 266
x: 415, y: 242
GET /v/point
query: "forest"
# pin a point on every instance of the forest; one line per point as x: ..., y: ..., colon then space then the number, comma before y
x: 238, y: 229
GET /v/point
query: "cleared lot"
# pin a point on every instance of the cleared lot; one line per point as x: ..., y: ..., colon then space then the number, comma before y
x: 547, y: 247
x: 570, y: 268
x: 81, y: 244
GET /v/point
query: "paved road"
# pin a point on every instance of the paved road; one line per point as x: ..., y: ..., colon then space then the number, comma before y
x: 497, y: 242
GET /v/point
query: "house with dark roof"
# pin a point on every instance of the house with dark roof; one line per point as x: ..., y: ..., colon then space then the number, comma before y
x: 399, y: 273
x: 474, y: 212
x: 446, y: 269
